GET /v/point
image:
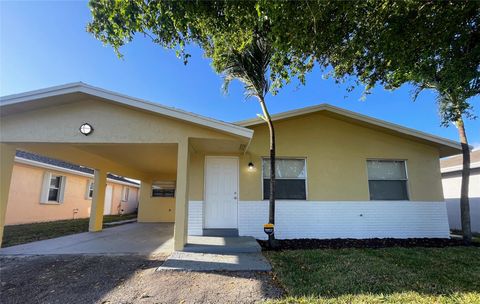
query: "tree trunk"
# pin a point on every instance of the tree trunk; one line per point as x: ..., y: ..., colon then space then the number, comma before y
x: 271, y: 209
x: 464, y: 202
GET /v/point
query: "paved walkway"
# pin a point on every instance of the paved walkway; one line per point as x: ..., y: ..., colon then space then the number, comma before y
x: 136, y: 238
x: 154, y: 239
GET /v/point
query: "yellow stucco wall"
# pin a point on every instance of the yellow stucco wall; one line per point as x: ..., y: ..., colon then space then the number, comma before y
x: 53, y: 132
x: 25, y: 190
x: 155, y: 209
x: 113, y: 123
x: 336, y: 153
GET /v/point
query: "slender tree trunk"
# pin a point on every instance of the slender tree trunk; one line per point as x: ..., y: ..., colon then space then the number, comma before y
x: 464, y: 202
x: 271, y: 209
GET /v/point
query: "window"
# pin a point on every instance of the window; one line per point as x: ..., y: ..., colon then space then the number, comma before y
x: 90, y: 189
x: 54, y: 189
x: 387, y: 180
x: 163, y: 189
x: 125, y: 193
x: 290, y: 178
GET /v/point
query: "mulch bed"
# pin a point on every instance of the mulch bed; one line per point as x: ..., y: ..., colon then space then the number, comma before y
x: 361, y: 243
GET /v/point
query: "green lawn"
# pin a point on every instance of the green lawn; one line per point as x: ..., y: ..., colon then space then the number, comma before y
x: 391, y: 275
x: 20, y: 234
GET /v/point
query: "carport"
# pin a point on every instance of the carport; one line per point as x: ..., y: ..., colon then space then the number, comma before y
x: 130, y: 137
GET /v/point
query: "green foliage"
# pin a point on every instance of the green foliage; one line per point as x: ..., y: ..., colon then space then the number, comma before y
x: 250, y: 66
x: 223, y: 29
x: 431, y: 44
x: 213, y: 25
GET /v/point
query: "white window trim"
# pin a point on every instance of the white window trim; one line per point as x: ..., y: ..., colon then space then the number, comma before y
x: 47, y: 176
x: 125, y: 193
x: 286, y: 157
x: 90, y: 183
x: 406, y: 176
x: 171, y: 183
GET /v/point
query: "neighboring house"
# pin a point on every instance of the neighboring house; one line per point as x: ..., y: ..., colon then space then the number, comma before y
x: 340, y: 174
x: 451, y: 178
x: 44, y: 189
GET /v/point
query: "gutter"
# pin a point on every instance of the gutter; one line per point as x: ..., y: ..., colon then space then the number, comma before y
x: 71, y: 171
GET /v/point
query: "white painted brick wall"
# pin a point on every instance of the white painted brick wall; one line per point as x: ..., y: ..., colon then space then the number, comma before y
x: 379, y: 219
x: 251, y: 217
x: 195, y: 217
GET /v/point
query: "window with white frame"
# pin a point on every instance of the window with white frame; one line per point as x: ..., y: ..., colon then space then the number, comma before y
x: 387, y: 179
x: 53, y: 188
x: 125, y: 193
x: 163, y: 189
x: 290, y: 178
x: 90, y: 189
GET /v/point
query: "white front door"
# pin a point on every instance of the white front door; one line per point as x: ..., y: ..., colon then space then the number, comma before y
x: 221, y: 191
x: 107, y: 207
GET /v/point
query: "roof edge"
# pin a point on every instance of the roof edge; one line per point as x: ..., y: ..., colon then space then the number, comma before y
x: 80, y: 87
x: 458, y: 168
x: 39, y: 164
x: 357, y: 116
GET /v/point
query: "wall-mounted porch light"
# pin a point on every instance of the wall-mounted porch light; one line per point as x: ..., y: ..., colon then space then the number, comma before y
x: 86, y: 129
x: 251, y: 166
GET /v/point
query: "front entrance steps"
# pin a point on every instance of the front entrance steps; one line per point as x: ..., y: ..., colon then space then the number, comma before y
x: 226, y: 232
x: 222, y: 245
x: 208, y: 253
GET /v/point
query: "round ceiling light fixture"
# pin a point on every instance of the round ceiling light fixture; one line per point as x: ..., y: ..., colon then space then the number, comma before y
x: 86, y: 129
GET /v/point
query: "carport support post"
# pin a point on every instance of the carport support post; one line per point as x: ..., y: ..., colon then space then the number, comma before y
x: 181, y: 198
x: 98, y: 200
x: 7, y: 158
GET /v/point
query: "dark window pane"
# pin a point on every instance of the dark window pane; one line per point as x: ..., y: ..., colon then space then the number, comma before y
x: 286, y: 189
x: 163, y: 192
x: 90, y: 193
x: 388, y: 190
x: 53, y: 195
x: 55, y: 182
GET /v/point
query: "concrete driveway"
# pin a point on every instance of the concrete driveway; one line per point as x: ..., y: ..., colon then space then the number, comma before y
x: 147, y: 239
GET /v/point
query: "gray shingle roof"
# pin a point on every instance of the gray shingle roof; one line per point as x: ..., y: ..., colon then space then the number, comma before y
x: 62, y: 164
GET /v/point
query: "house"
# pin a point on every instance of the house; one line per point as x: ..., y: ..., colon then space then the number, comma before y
x: 45, y: 189
x: 451, y: 169
x: 340, y: 174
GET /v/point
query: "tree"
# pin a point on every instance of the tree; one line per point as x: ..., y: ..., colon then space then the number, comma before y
x: 432, y: 45
x: 234, y: 35
x: 250, y: 66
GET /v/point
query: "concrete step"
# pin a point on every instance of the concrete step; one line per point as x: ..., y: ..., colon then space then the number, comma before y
x: 220, y: 232
x: 222, y: 245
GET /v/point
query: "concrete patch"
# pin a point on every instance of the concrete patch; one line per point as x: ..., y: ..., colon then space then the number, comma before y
x: 120, y: 222
x: 148, y: 239
x: 203, y: 262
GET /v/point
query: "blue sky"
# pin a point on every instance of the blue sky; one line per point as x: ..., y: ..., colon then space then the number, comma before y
x: 44, y: 44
